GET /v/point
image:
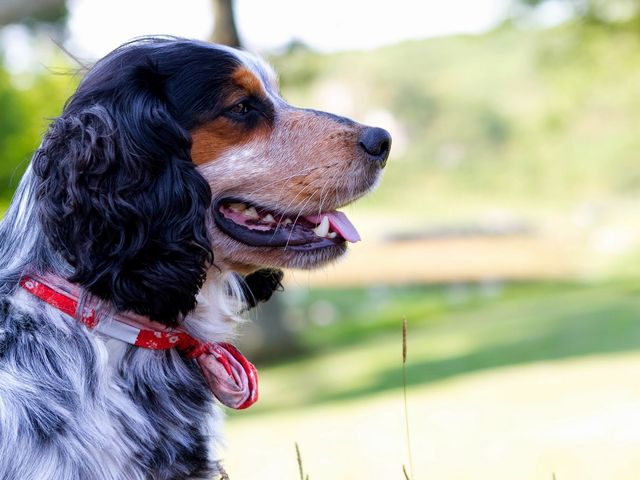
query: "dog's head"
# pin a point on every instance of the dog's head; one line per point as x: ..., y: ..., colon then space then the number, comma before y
x: 174, y: 156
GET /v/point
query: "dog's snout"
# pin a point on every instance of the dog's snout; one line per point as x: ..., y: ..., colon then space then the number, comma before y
x: 377, y: 143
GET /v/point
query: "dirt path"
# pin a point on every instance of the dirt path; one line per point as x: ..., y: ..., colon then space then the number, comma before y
x: 448, y: 260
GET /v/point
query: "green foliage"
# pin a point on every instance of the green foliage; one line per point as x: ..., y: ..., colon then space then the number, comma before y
x: 516, y: 116
x: 526, y: 116
x: 27, y: 103
x: 12, y: 118
x: 595, y: 11
x: 298, y: 68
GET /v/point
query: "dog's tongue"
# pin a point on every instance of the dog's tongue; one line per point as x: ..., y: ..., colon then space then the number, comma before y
x: 340, y: 223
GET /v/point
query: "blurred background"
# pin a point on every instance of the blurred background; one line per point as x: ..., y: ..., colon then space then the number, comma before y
x: 506, y: 229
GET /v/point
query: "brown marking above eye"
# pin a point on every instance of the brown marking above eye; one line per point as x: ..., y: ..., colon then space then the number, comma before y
x: 248, y: 81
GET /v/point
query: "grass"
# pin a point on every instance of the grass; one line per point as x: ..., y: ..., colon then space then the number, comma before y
x: 524, y: 324
x: 300, y: 466
x: 404, y: 397
x: 576, y: 417
x: 500, y: 382
x: 346, y: 314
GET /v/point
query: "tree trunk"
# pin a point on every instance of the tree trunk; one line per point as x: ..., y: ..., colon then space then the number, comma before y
x: 224, y: 30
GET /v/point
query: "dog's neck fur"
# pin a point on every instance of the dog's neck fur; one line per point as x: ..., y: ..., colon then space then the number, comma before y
x: 76, y: 405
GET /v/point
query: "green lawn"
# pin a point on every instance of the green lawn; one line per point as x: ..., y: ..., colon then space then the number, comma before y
x: 534, y: 380
x: 360, y: 353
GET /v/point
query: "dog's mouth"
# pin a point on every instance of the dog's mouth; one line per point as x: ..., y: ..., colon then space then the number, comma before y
x: 260, y: 227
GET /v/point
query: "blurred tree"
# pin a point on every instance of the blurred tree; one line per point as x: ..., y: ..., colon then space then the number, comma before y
x: 27, y: 103
x: 597, y: 11
x: 224, y: 30
x: 25, y: 112
x: 13, y: 11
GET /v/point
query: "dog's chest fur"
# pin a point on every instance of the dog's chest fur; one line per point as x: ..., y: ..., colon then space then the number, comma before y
x: 92, y: 411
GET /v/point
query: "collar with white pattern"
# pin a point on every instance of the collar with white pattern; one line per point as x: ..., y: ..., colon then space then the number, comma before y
x: 229, y: 375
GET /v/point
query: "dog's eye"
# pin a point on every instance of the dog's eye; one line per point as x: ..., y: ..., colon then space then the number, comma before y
x: 241, y: 108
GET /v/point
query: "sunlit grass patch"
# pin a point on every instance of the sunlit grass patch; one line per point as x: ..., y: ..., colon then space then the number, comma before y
x: 540, y: 380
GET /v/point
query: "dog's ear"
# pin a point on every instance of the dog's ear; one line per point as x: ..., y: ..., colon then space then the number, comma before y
x: 121, y: 201
x: 260, y: 285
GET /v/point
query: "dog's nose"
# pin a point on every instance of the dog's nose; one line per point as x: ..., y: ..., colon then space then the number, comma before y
x: 377, y: 143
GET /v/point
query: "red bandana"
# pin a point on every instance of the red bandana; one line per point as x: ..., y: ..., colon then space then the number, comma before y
x: 229, y: 375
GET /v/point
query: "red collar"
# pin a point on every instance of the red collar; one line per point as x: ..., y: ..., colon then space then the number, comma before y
x: 229, y: 375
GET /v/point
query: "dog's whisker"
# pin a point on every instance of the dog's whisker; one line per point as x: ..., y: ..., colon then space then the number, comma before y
x: 267, y: 185
x: 301, y: 192
x: 296, y: 220
x: 326, y: 183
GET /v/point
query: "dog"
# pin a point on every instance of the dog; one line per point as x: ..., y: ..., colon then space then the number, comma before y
x: 163, y: 202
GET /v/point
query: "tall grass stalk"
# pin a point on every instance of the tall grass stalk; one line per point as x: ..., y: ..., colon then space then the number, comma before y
x: 406, y: 408
x: 406, y: 475
x: 300, y: 468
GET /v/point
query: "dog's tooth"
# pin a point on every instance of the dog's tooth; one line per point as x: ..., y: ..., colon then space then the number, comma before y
x: 332, y: 235
x: 251, y: 213
x: 287, y: 221
x: 268, y: 218
x: 238, y: 207
x: 323, y: 229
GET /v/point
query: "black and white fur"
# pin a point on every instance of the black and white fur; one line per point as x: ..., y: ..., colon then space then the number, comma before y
x: 74, y: 405
x: 114, y: 201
